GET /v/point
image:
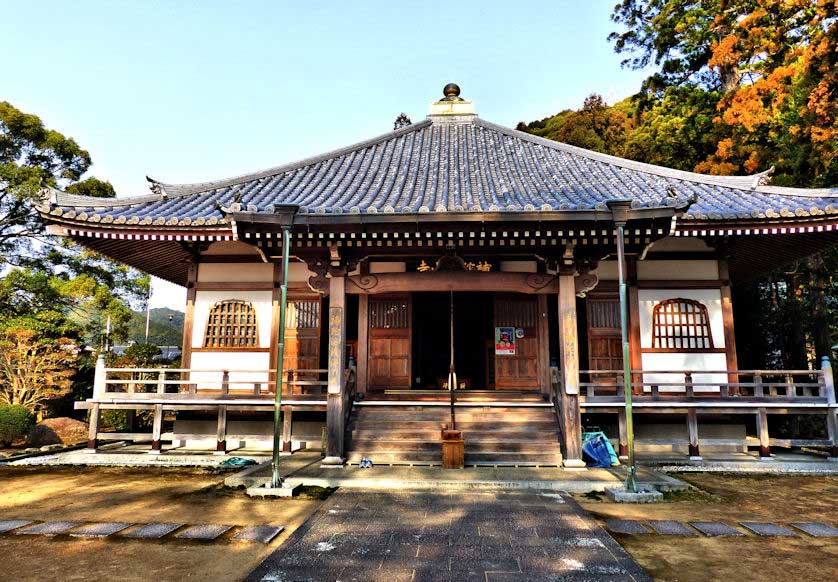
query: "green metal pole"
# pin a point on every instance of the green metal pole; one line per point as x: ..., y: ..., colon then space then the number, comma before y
x: 631, y: 478
x: 276, y: 481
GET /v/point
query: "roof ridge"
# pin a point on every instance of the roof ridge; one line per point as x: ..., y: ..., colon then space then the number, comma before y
x: 749, y: 182
x: 176, y: 190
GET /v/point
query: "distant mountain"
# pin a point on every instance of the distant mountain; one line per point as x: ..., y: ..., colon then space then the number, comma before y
x: 165, y: 328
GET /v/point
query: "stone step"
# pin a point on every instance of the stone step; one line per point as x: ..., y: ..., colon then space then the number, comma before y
x: 443, y: 396
x: 396, y: 458
x: 502, y: 458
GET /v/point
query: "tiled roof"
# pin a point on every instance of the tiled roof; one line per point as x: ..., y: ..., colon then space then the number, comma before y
x: 452, y: 164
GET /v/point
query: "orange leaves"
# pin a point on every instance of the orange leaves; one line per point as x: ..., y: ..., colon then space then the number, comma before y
x: 33, y: 369
x: 724, y: 52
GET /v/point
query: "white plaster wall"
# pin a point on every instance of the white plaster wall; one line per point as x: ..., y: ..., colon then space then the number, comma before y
x: 518, y: 266
x: 253, y: 367
x: 675, y: 270
x: 204, y: 300
x: 684, y: 361
x: 235, y: 272
x: 387, y: 268
x: 712, y: 299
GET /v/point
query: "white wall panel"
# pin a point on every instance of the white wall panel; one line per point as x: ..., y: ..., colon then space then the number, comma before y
x: 204, y: 300
x: 235, y: 272
x: 711, y: 298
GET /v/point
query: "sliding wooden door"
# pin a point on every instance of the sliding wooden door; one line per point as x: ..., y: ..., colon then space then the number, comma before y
x: 605, y: 343
x: 389, y: 342
x: 518, y: 370
x: 302, y: 336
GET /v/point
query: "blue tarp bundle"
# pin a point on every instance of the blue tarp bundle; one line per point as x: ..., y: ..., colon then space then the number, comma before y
x: 597, y: 450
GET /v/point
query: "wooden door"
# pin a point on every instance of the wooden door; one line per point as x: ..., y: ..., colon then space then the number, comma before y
x: 605, y: 342
x: 302, y: 337
x: 389, y: 342
x: 519, y: 371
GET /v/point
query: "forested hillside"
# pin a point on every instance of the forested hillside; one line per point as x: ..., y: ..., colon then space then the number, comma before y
x: 735, y: 87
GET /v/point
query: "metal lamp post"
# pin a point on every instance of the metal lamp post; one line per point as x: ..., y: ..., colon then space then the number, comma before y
x: 286, y: 222
x: 619, y: 211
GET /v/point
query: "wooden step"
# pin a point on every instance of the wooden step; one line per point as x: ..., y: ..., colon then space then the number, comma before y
x: 373, y: 446
x: 514, y: 432
x: 410, y: 434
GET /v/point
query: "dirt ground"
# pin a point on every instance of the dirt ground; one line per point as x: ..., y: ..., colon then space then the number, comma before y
x: 139, y: 495
x: 732, y: 498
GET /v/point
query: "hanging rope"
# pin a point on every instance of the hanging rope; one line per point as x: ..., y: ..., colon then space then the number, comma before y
x: 452, y: 374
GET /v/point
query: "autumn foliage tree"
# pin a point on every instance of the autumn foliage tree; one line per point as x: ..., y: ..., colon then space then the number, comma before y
x: 34, y: 370
x: 735, y: 87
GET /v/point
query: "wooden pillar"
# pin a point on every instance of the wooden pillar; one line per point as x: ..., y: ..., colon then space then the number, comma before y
x: 828, y: 383
x: 156, y: 429
x: 363, y: 343
x: 189, y: 317
x: 621, y: 421
x: 727, y: 320
x: 287, y: 417
x: 692, y: 431
x: 762, y: 430
x: 93, y: 429
x: 544, y: 346
x: 635, y: 355
x: 569, y: 357
x: 336, y: 379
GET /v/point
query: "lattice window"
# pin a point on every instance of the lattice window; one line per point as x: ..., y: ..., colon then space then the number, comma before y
x: 389, y: 314
x: 303, y: 314
x: 681, y: 325
x: 231, y: 324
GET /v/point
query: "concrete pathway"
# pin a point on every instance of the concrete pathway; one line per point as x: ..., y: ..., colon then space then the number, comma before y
x: 461, y: 536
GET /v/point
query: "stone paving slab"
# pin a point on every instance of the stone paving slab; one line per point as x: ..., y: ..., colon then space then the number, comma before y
x: 203, y: 532
x: 49, y: 528
x: 670, y: 528
x: 715, y: 528
x: 152, y: 531
x: 626, y: 526
x: 262, y: 534
x: 10, y: 524
x: 816, y: 529
x: 449, y: 535
x: 767, y: 529
x: 100, y: 530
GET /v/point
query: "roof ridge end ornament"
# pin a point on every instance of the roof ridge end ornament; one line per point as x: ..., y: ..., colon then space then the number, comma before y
x: 763, y: 178
x: 157, y: 188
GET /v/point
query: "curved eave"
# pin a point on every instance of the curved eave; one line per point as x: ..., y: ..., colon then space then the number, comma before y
x: 455, y: 217
x: 757, y: 226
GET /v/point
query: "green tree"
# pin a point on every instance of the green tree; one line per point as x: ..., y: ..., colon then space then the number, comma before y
x: 53, y: 292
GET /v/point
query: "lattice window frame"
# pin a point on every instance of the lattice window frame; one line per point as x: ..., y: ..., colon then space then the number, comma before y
x: 231, y: 325
x: 681, y: 325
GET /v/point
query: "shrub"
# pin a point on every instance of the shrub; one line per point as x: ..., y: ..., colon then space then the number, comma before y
x: 15, y: 423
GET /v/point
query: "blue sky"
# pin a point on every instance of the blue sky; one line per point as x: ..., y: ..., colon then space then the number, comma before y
x: 192, y: 91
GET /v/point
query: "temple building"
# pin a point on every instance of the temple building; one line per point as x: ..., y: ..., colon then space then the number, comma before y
x: 457, y: 245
